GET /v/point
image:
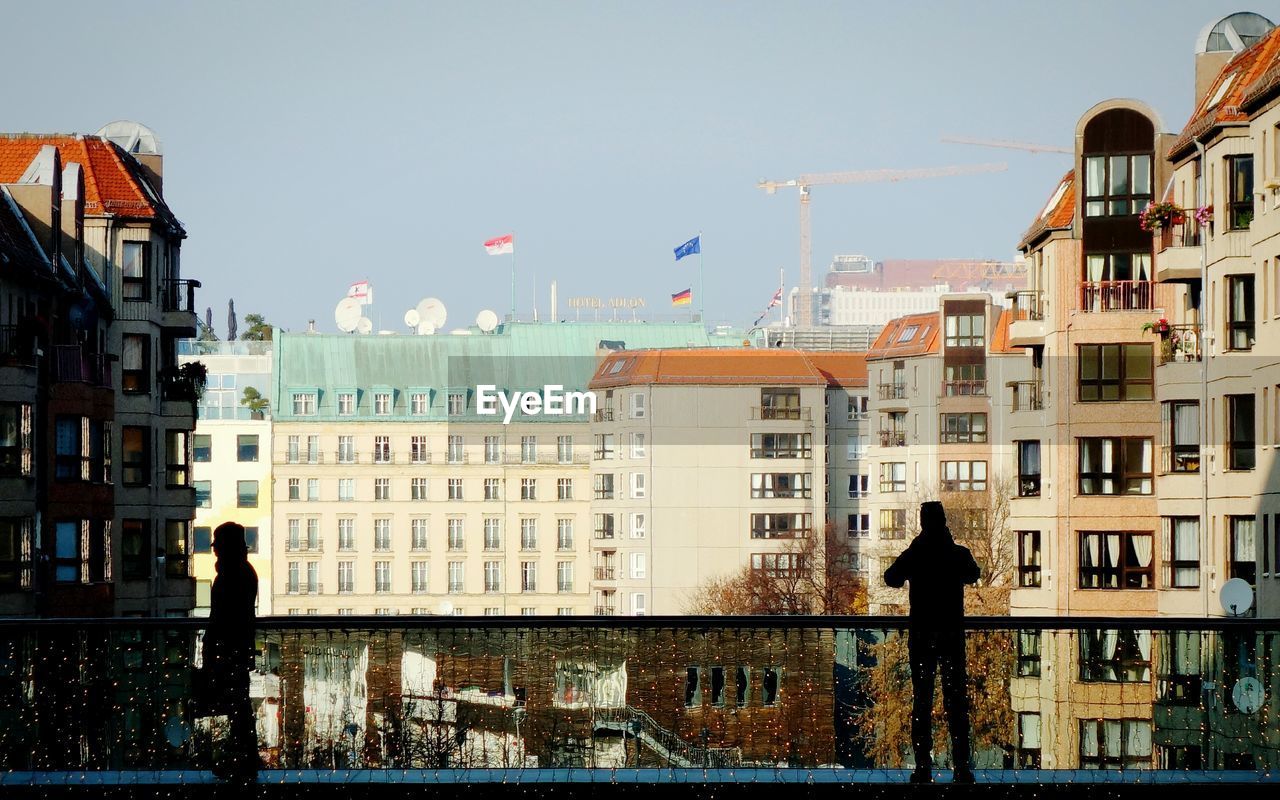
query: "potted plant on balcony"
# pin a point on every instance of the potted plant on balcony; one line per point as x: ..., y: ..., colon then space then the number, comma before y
x: 1160, y: 327
x: 255, y: 402
x: 1159, y: 215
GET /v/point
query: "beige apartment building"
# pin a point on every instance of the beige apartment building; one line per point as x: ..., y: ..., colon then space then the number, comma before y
x: 704, y: 462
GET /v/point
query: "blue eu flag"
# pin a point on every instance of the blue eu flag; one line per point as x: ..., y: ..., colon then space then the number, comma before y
x: 690, y: 247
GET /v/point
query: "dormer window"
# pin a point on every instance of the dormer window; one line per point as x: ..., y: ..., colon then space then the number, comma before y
x: 1117, y: 185
x: 304, y: 404
x: 908, y: 333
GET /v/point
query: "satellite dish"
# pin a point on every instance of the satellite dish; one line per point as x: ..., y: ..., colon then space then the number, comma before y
x: 1247, y: 695
x: 426, y: 329
x: 365, y: 325
x: 412, y: 318
x: 347, y: 314
x: 132, y: 137
x: 486, y: 320
x: 433, y: 311
x: 1236, y: 597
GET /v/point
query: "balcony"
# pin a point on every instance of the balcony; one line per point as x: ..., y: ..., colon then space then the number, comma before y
x: 893, y: 391
x: 893, y: 438
x: 603, y: 415
x: 606, y: 573
x: 777, y: 413
x: 1027, y: 395
x: 178, y: 304
x: 1027, y: 328
x: 1100, y: 296
x: 17, y: 347
x: 304, y: 546
x: 1181, y: 344
x: 1103, y: 706
x: 74, y: 364
x: 976, y: 387
x: 1178, y: 252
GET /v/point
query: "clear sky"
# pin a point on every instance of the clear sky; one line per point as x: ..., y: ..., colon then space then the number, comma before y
x: 311, y: 144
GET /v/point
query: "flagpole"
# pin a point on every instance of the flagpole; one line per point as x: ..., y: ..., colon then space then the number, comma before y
x: 702, y: 302
x: 513, y: 278
x: 782, y: 287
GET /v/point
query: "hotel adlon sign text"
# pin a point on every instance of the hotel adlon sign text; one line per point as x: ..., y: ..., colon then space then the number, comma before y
x: 606, y: 302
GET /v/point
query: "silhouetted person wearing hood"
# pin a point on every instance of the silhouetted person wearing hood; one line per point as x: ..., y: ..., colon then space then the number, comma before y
x: 937, y: 569
x: 229, y: 649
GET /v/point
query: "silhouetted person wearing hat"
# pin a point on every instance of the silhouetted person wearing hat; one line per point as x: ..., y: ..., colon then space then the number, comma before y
x: 229, y: 649
x: 937, y: 569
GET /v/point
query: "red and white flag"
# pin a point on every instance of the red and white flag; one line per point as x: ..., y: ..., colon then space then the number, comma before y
x: 359, y: 290
x: 501, y: 245
x: 777, y: 299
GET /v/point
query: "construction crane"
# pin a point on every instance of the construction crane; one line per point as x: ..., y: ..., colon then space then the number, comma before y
x: 803, y: 184
x: 970, y: 271
x: 1007, y: 144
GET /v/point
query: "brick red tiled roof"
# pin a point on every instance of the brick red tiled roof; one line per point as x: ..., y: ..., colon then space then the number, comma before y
x: 112, y: 182
x: 1058, y: 216
x: 891, y: 344
x: 1250, y: 73
x: 720, y: 367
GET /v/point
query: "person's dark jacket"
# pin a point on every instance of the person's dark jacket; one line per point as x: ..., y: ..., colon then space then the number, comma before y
x: 229, y: 646
x: 938, y: 570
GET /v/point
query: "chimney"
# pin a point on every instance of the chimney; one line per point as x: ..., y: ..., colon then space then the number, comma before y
x: 311, y: 326
x: 73, y: 216
x: 38, y: 193
x: 153, y: 168
x: 555, y: 307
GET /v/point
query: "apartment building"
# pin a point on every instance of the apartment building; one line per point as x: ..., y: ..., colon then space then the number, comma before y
x: 103, y: 449
x: 703, y: 462
x: 938, y: 416
x: 231, y: 458
x: 393, y: 494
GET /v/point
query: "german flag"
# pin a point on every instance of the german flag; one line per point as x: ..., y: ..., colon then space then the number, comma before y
x: 682, y: 298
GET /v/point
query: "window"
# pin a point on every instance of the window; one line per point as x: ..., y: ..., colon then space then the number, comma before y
x: 382, y: 534
x: 604, y: 526
x: 1180, y: 424
x: 347, y: 533
x: 528, y: 533
x: 893, y: 476
x: 564, y: 576
x: 1240, y: 316
x: 639, y: 604
x: 456, y: 403
x: 639, y: 563
x: 859, y: 486
x: 528, y: 576
x: 417, y: 488
x: 455, y: 533
x: 966, y: 330
x: 1029, y: 654
x: 72, y: 463
x: 771, y: 685
x: 604, y: 486
x: 781, y: 445
x: 313, y: 449
x: 175, y: 453
x: 304, y: 404
x: 693, y: 687
x: 779, y: 404
x: 419, y: 403
x: 346, y: 489
x: 1027, y: 752
x: 381, y: 488
x: 203, y: 539
x: 770, y: 485
x: 1181, y: 552
x: 637, y: 445
x: 66, y: 560
x: 1178, y: 670
x: 204, y: 494
x: 857, y: 407
x: 177, y: 543
x: 492, y: 489
x: 202, y: 448
x: 313, y: 489
x: 564, y: 534
x: 528, y: 449
x: 1117, y: 185
x: 859, y: 526
x: 1113, y: 372
x: 417, y: 533
x: 564, y: 449
x: 893, y: 523
x: 290, y: 450
x: 455, y: 450
x: 1028, y: 468
x: 135, y: 269
x: 638, y: 485
x: 382, y: 576
x: 1115, y: 466
x: 963, y: 476
x: 135, y: 458
x: 346, y: 404
x: 528, y: 488
x: 564, y: 488
x: 492, y: 449
x: 246, y: 494
x: 382, y: 449
x: 346, y: 450
x: 419, y: 453
x: 135, y: 360
x: 294, y: 541
x: 780, y: 526
x: 1241, y: 454
x: 382, y: 403
x: 135, y: 546
x: 777, y: 565
x: 455, y: 488
x: 637, y: 525
x: 493, y: 576
x: 1239, y: 192
x: 295, y: 488
x: 964, y: 380
x: 1108, y: 655
x: 962, y: 428
x: 604, y: 446
x: 1028, y: 559
x: 1115, y: 560
x: 1244, y: 560
x: 492, y: 533
x: 637, y: 405
x: 346, y: 577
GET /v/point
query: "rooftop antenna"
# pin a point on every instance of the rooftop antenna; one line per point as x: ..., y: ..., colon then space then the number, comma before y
x: 347, y: 314
x: 411, y: 319
x: 487, y: 321
x: 432, y: 312
x: 365, y: 325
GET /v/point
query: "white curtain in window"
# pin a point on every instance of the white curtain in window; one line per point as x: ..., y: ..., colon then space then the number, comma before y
x: 1141, y: 549
x: 1186, y: 539
x: 1111, y: 736
x: 1142, y: 266
x: 1186, y: 424
x: 1110, y: 638
x: 1113, y: 549
x: 1090, y: 554
x: 1096, y: 266
x: 1147, y: 451
x: 1242, y: 539
x: 1137, y: 738
x: 1029, y: 731
x: 1144, y: 645
x: 1030, y: 458
x: 1108, y: 466
x: 1089, y: 738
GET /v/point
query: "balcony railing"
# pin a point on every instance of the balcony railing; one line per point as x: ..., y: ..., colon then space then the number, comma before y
x: 637, y: 699
x: 1117, y: 295
x: 1180, y: 344
x: 781, y: 413
x: 17, y: 347
x: 893, y: 438
x: 1027, y: 395
x: 1027, y: 304
x: 73, y: 364
x: 976, y: 387
x: 893, y: 391
x: 605, y: 573
x: 179, y: 295
x: 1184, y: 234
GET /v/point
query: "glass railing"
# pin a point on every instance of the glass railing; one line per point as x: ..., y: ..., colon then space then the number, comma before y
x: 1051, y: 699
